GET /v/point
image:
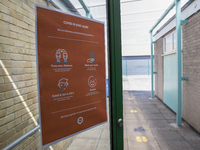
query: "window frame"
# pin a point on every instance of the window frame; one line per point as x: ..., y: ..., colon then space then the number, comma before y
x: 173, y: 49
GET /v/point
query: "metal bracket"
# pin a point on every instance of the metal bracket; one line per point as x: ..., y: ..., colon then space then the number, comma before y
x: 184, y: 78
x: 154, y: 72
x: 154, y: 42
x: 184, y: 21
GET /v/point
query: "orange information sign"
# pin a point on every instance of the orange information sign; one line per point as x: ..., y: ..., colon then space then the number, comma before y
x: 71, y: 74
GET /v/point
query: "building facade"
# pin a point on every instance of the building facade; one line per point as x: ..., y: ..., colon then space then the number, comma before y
x: 166, y: 64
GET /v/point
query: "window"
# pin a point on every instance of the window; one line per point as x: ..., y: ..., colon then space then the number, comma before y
x: 170, y: 43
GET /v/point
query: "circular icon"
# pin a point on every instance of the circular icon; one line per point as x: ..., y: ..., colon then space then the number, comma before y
x: 80, y: 120
x: 92, y: 81
x: 62, y: 84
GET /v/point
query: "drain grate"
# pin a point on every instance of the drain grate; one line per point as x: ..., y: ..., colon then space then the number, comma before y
x: 140, y: 129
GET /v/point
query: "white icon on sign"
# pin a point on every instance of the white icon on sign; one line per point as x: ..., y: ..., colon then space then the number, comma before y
x: 62, y: 84
x: 64, y: 55
x: 80, y: 120
x: 92, y: 57
x: 92, y: 81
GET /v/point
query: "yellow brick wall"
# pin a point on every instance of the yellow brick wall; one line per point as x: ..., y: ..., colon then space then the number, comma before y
x: 158, y: 67
x: 191, y: 69
x: 18, y: 80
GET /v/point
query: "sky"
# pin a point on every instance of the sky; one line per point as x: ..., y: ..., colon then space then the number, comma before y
x: 137, y: 18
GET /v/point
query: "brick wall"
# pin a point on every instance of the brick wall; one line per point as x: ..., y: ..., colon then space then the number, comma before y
x: 18, y: 80
x: 191, y: 69
x: 158, y: 64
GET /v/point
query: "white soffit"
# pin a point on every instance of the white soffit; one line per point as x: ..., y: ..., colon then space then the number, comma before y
x: 186, y: 13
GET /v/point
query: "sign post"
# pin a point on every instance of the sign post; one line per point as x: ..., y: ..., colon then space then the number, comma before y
x: 71, y: 74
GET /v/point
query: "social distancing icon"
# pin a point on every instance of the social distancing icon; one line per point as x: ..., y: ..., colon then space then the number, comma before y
x: 61, y: 54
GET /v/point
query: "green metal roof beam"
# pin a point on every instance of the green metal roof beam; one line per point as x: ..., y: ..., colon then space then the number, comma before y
x: 163, y: 16
x: 86, y: 9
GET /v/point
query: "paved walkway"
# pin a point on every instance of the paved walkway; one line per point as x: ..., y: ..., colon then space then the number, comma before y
x: 148, y: 124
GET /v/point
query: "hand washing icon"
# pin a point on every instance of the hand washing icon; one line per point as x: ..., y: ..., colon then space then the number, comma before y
x: 92, y: 57
x: 61, y: 53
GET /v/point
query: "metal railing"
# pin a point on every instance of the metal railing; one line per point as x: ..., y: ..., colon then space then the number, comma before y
x: 13, y: 144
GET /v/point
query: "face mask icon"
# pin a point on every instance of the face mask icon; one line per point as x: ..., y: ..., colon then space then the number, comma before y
x: 62, y: 84
x: 92, y: 81
x: 61, y: 53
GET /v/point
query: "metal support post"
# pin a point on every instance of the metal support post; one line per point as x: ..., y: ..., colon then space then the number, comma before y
x: 116, y: 99
x: 126, y: 68
x: 152, y: 82
x: 148, y: 67
x: 87, y: 11
x: 176, y: 3
x: 179, y: 59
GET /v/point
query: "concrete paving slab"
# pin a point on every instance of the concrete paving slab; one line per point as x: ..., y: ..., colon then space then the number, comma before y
x: 169, y: 116
x: 175, y: 145
x: 153, y: 145
x: 195, y: 144
x: 189, y: 135
x: 130, y: 103
x: 103, y: 144
x: 105, y: 134
x: 159, y: 124
x: 93, y: 133
x: 142, y: 98
x: 145, y: 103
x: 168, y: 135
x: 83, y: 144
x: 154, y: 116
x: 165, y: 111
x: 143, y: 106
x: 137, y: 117
x: 129, y: 125
x: 161, y: 106
x: 151, y: 111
